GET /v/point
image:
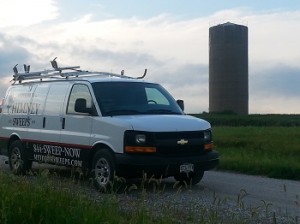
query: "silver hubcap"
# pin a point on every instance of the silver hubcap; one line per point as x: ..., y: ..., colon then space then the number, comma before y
x: 16, y: 160
x: 102, y: 172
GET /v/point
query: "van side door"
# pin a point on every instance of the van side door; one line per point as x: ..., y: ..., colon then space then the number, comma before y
x: 36, y: 117
x: 52, y: 122
x: 76, y: 132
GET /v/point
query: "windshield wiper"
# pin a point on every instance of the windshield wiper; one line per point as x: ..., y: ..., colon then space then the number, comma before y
x: 162, y: 111
x: 122, y: 112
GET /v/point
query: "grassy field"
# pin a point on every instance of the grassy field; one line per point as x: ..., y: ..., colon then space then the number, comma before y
x: 268, y: 151
x: 266, y: 145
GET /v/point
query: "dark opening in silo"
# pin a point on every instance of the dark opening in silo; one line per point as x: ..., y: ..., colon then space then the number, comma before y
x: 228, y: 68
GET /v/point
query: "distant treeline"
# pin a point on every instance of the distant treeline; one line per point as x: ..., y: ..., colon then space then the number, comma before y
x: 284, y: 120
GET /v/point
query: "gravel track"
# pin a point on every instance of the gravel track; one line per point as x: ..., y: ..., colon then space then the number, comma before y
x: 224, y: 195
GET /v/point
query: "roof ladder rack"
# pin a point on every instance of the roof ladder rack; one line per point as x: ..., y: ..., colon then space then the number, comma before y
x: 57, y: 72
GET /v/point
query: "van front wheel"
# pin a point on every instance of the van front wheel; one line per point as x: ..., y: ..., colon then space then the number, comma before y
x: 18, y: 162
x: 103, y: 170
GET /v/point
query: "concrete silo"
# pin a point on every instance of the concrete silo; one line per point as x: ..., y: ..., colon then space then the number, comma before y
x: 228, y: 68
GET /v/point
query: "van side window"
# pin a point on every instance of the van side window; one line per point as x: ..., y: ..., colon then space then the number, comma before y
x: 79, y: 91
x: 153, y: 95
x: 55, y: 98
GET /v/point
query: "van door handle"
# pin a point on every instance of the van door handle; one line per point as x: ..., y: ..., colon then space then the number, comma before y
x: 63, y: 122
x: 44, y: 122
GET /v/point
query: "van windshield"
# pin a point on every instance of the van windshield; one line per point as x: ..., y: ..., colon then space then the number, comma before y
x: 131, y: 98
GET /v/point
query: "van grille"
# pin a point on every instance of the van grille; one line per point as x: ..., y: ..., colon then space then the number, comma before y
x: 168, y: 144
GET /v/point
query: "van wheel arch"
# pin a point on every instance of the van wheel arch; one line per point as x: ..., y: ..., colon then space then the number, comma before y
x: 95, y: 149
x: 12, y: 139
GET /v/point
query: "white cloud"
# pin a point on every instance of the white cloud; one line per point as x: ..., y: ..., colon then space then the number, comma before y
x: 26, y: 13
x: 3, y: 86
x: 274, y: 38
x: 279, y: 105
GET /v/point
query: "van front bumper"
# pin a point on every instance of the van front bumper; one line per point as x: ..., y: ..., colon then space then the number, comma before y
x: 134, y: 165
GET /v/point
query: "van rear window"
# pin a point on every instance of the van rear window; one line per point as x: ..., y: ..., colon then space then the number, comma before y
x: 18, y: 100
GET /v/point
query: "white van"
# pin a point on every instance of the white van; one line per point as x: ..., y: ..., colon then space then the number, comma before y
x: 107, y: 123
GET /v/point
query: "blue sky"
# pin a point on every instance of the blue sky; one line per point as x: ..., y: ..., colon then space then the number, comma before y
x: 184, y: 9
x: 168, y: 37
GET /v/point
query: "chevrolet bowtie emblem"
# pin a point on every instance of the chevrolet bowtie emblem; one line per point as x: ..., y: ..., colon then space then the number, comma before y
x: 182, y: 142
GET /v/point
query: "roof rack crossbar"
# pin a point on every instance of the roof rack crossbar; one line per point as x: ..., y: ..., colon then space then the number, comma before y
x: 57, y: 68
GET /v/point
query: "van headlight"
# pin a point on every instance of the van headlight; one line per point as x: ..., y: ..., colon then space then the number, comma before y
x: 207, y: 136
x: 208, y: 143
x: 139, y: 142
x: 140, y: 138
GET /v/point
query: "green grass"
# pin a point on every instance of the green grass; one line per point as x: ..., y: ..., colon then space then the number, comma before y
x: 40, y: 200
x: 257, y: 144
x: 23, y: 202
x: 45, y: 200
x: 270, y: 151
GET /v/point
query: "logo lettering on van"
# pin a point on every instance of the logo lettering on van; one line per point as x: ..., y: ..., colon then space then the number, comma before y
x: 21, y: 122
x: 57, y: 155
x: 20, y: 103
x: 57, y: 160
x: 23, y: 108
x: 57, y: 150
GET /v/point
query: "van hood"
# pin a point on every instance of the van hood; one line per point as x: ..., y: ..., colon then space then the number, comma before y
x: 165, y: 123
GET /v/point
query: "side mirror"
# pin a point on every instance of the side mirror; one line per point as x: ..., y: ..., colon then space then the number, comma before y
x: 80, y: 106
x: 1, y: 104
x: 180, y: 104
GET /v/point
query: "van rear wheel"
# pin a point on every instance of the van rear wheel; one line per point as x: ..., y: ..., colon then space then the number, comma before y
x: 18, y: 161
x: 103, y: 170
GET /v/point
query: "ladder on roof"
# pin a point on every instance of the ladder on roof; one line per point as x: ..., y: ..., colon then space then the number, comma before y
x: 61, y: 72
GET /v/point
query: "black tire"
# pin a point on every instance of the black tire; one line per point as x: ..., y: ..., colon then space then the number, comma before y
x: 192, y: 178
x: 103, y: 170
x: 18, y: 161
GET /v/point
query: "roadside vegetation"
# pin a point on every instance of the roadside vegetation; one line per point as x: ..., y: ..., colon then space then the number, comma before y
x: 42, y: 200
x: 46, y: 198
